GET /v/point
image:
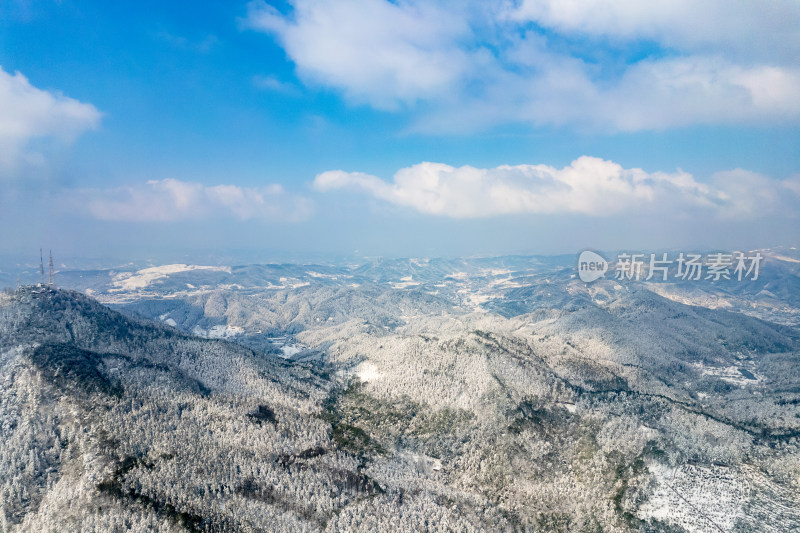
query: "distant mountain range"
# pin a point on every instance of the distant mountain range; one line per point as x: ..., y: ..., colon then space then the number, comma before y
x: 496, y: 394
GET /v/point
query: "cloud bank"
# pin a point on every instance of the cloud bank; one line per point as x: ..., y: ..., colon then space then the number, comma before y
x: 173, y: 200
x: 588, y: 186
x: 28, y: 114
x: 472, y: 65
x: 747, y: 30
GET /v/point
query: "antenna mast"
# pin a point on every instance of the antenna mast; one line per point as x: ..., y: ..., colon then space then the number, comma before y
x: 51, y: 268
x: 41, y: 264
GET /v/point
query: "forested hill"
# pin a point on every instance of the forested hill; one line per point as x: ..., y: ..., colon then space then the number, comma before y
x: 109, y: 423
x: 38, y: 315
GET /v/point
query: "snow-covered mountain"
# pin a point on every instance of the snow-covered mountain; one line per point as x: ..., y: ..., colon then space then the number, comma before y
x: 406, y: 395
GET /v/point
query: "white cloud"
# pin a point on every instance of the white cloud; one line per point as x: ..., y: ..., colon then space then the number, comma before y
x: 468, y: 66
x: 766, y: 30
x: 588, y: 186
x: 378, y: 52
x: 746, y: 194
x: 675, y: 92
x: 28, y: 114
x: 170, y: 200
x: 650, y: 95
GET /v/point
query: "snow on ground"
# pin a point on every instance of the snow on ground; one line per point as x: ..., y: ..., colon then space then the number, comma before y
x: 765, y: 305
x: 404, y: 282
x: 320, y: 275
x: 422, y: 463
x: 508, y: 283
x: 477, y: 300
x: 787, y: 259
x: 293, y: 283
x: 368, y: 372
x: 571, y: 407
x: 287, y: 346
x: 291, y: 349
x: 698, y: 498
x: 168, y: 321
x: 132, y: 281
x: 732, y: 374
x: 496, y: 271
x: 220, y: 331
x: 700, y: 299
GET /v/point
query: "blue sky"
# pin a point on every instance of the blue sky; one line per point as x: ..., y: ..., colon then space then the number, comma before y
x: 299, y: 129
